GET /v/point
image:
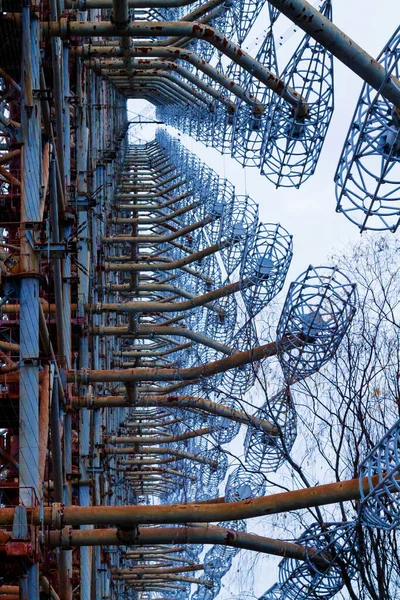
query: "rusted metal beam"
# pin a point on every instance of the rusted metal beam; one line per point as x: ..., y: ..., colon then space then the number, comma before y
x: 83, y: 5
x: 145, y: 331
x: 152, y: 570
x: 67, y: 29
x: 188, y: 56
x: 155, y: 239
x: 59, y: 516
x: 179, y: 454
x: 162, y: 68
x: 68, y: 538
x: 190, y: 402
x: 6, y: 158
x: 160, y: 578
x: 190, y: 373
x: 160, y: 439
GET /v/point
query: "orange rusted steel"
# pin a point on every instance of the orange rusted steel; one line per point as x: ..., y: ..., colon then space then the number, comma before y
x: 6, y: 158
x: 67, y: 29
x: 169, y: 401
x: 69, y: 537
x: 341, y: 491
x: 44, y: 418
x: 9, y: 177
x: 152, y: 570
x: 191, y: 373
x: 160, y: 578
x: 159, y: 439
x: 12, y: 590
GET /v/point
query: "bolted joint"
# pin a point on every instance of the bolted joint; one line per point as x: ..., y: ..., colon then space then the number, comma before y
x: 128, y: 535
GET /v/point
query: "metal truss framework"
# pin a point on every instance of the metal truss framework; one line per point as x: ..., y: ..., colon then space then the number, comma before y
x: 131, y: 279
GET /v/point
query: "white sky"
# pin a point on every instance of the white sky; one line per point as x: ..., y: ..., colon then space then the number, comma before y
x: 308, y: 213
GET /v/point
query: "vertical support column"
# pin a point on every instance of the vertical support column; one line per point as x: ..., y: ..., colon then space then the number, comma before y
x: 83, y: 297
x: 29, y: 292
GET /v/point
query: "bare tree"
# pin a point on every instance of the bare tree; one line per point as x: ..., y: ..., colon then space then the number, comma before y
x: 342, y: 412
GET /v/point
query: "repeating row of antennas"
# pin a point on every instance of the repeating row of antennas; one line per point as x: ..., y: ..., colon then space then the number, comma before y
x: 285, y: 143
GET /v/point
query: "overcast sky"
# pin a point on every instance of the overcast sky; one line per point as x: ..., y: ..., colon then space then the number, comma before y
x: 308, y: 213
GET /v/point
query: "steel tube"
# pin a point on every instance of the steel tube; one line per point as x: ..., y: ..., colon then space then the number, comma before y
x: 175, y: 264
x: 67, y: 29
x: 83, y: 5
x: 172, y: 81
x: 174, y: 53
x: 160, y: 439
x: 160, y: 570
x: 149, y: 307
x: 152, y: 221
x: 340, y: 45
x: 190, y: 373
x: 140, y: 69
x: 320, y: 495
x: 180, y: 454
x: 186, y: 535
x: 155, y: 239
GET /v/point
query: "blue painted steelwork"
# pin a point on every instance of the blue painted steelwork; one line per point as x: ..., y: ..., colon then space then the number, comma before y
x: 250, y: 129
x: 318, y: 310
x: 266, y: 452
x: 368, y: 174
x: 334, y: 543
x: 243, y: 225
x: 214, y: 565
x: 240, y: 380
x: 30, y: 137
x: 293, y: 143
x: 380, y: 503
x: 265, y: 264
x: 243, y: 484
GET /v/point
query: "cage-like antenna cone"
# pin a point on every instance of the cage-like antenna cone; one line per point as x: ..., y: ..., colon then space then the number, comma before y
x: 317, y: 312
x: 368, y: 174
x: 243, y: 484
x: 211, y: 476
x: 224, y: 430
x: 243, y: 226
x: 320, y: 576
x: 265, y: 266
x: 220, y: 324
x: 216, y: 565
x: 239, y: 380
x: 206, y: 593
x: 274, y: 593
x: 380, y: 503
x: 250, y: 128
x: 293, y: 143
